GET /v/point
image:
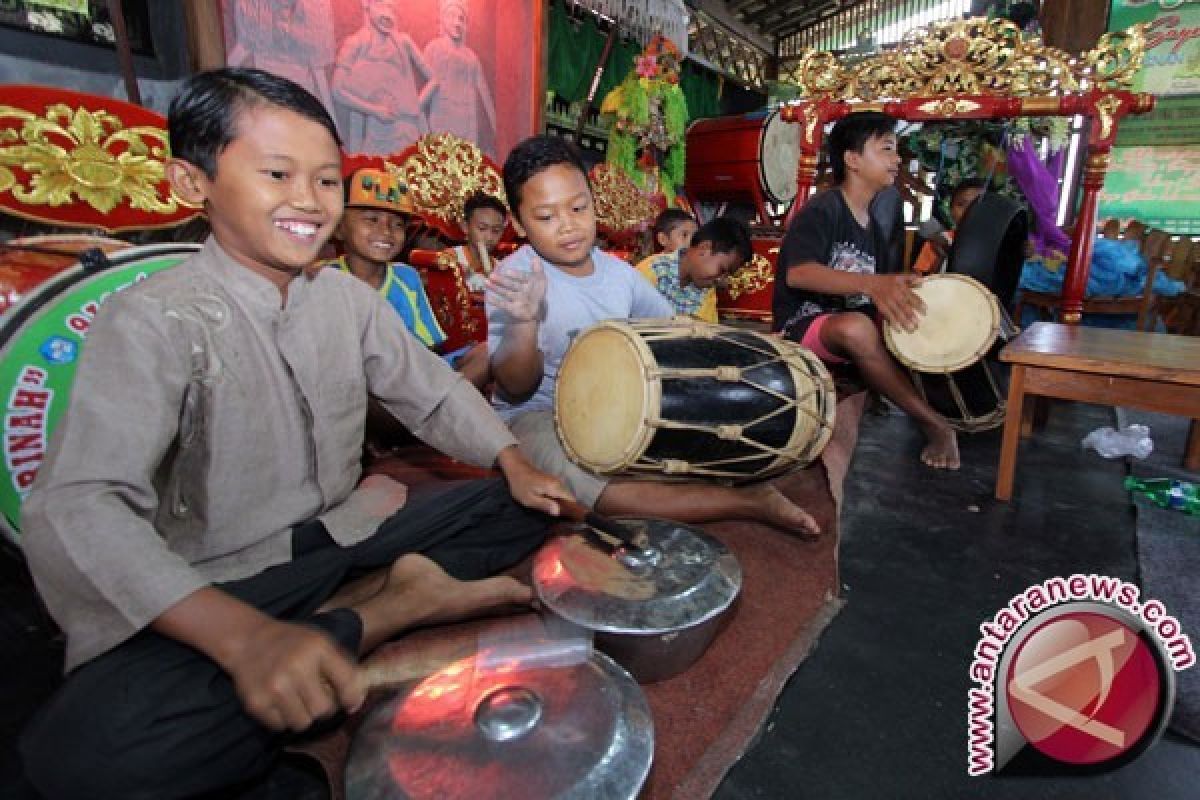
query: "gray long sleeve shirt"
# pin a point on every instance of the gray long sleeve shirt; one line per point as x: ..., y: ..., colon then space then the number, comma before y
x: 206, y: 421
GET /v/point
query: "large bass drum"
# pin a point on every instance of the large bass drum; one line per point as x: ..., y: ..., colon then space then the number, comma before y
x: 749, y: 158
x: 40, y: 341
x: 688, y: 400
x: 28, y: 262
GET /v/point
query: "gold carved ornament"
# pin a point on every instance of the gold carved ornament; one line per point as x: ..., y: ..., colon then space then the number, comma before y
x: 753, y: 277
x: 448, y: 262
x: 621, y: 207
x: 976, y: 56
x: 442, y: 171
x: 86, y: 154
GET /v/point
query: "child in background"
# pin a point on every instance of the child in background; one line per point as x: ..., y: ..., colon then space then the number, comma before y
x: 935, y: 251
x: 556, y: 285
x: 484, y: 218
x: 673, y: 229
x: 687, y: 277
x: 372, y: 234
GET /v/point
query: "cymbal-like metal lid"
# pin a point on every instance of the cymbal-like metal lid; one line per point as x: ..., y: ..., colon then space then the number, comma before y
x: 683, y: 578
x: 582, y: 732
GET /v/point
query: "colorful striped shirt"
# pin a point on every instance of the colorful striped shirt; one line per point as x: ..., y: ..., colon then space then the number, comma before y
x: 403, y: 290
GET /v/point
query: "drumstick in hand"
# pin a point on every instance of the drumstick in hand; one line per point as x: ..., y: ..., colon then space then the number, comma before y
x: 609, y: 528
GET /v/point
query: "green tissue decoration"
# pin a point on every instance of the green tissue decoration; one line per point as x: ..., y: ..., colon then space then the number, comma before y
x: 646, y: 139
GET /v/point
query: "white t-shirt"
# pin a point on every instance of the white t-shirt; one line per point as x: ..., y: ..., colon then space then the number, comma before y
x: 614, y: 290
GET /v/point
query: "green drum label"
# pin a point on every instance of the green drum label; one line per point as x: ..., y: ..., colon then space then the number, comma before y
x: 37, y: 368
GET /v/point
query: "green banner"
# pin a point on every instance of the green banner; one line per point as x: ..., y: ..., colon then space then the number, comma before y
x: 1172, y: 61
x: 1158, y: 185
x: 76, y: 6
x: 1174, y: 121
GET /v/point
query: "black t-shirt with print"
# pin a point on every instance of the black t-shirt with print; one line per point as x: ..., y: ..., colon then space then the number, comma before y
x: 824, y: 231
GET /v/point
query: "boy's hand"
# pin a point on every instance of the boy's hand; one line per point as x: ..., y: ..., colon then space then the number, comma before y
x: 288, y: 676
x: 530, y: 486
x: 893, y: 295
x: 517, y: 293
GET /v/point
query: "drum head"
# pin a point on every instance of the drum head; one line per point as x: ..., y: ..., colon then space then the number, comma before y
x: 778, y: 157
x: 961, y: 321
x: 40, y: 341
x: 603, y: 399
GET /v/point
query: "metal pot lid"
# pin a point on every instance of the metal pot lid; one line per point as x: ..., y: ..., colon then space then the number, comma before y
x: 681, y: 579
x: 578, y: 732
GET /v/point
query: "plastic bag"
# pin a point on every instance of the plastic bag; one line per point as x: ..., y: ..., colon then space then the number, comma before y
x: 1132, y: 440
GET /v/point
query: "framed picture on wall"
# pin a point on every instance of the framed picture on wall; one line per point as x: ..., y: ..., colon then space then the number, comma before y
x: 392, y: 71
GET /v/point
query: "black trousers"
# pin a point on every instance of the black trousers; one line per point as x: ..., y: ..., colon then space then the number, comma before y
x: 155, y: 719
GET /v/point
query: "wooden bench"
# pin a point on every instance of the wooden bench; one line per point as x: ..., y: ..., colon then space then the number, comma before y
x: 1150, y: 371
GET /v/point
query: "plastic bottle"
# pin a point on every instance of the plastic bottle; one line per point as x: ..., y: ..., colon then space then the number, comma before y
x: 1167, y: 493
x: 1132, y: 440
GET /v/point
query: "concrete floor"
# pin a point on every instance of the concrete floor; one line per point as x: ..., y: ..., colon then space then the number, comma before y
x: 879, y: 710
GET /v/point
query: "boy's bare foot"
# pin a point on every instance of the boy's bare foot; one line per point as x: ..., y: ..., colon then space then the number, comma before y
x: 416, y: 591
x: 941, y: 451
x: 775, y: 509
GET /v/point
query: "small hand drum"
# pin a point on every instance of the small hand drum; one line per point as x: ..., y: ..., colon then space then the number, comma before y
x: 947, y: 354
x: 686, y: 399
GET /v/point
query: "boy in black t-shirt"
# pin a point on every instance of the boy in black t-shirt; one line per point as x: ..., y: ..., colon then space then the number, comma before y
x: 830, y: 283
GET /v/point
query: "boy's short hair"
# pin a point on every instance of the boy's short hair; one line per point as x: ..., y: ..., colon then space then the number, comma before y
x: 967, y: 184
x: 727, y: 235
x: 851, y: 134
x: 202, y: 119
x: 370, y: 187
x: 670, y: 219
x: 533, y: 155
x: 482, y: 200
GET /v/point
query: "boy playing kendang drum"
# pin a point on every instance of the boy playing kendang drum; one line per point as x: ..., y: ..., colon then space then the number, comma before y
x: 196, y: 529
x: 688, y: 276
x: 551, y: 288
x: 830, y: 288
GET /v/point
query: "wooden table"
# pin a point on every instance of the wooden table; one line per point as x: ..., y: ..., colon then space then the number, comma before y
x: 1150, y: 371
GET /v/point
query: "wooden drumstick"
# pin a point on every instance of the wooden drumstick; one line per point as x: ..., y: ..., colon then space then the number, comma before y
x: 530, y: 642
x: 609, y: 530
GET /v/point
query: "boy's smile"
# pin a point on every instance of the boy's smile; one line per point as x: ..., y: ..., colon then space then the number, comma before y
x: 276, y: 194
x: 372, y: 234
x: 879, y: 162
x: 557, y: 216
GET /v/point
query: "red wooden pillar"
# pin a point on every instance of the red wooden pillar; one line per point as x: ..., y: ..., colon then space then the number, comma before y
x: 1106, y: 110
x: 1079, y: 261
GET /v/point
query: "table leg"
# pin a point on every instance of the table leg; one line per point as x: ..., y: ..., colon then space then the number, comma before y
x: 1013, y: 418
x: 1191, y: 455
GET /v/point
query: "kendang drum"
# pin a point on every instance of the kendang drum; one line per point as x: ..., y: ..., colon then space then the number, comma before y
x: 41, y: 338
x: 749, y: 159
x: 685, y: 399
x: 948, y: 353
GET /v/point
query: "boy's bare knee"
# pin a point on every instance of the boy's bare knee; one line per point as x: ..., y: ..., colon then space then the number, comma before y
x: 854, y: 334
